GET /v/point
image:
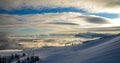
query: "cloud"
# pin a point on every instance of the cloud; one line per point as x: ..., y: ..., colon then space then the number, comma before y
x: 108, y: 3
x: 6, y: 42
x: 49, y: 20
x: 116, y: 22
x: 33, y: 20
x: 91, y: 21
x: 7, y: 21
x: 111, y: 6
x: 95, y: 19
x: 52, y: 22
x: 62, y: 23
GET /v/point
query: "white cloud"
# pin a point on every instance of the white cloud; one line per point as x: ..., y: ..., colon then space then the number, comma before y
x: 116, y: 22
x: 51, y: 20
x: 112, y: 6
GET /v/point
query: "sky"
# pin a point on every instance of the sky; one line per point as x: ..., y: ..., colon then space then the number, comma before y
x: 51, y: 16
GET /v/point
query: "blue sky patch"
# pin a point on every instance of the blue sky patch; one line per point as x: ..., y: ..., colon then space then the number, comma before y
x: 107, y: 15
x: 26, y: 11
x: 41, y: 11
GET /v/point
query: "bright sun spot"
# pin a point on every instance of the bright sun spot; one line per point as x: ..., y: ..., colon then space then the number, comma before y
x: 116, y: 22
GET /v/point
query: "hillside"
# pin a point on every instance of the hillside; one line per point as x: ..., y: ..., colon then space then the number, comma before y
x: 105, y: 50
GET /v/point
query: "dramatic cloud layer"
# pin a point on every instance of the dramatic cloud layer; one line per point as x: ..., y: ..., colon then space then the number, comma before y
x: 56, y: 16
x: 49, y: 20
x: 89, y: 5
x: 80, y: 17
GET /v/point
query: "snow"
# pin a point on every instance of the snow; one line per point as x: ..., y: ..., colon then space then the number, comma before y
x: 104, y: 50
x: 10, y: 50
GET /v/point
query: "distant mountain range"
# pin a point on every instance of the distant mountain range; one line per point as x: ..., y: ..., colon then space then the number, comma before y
x: 91, y: 35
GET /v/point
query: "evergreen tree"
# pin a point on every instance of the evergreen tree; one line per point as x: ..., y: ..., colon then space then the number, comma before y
x: 18, y: 61
x: 24, y: 54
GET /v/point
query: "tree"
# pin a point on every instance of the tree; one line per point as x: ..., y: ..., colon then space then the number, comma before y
x: 18, y: 61
x: 24, y: 54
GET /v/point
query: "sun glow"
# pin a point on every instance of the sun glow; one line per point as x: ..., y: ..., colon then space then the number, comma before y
x: 116, y: 22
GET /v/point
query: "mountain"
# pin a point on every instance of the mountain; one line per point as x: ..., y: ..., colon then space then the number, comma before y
x: 104, y: 50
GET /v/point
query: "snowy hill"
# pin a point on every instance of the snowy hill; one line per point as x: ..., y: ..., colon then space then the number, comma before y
x: 105, y: 50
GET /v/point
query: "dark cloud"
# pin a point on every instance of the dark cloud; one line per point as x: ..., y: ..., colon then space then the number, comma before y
x: 6, y: 43
x: 93, y: 19
x: 96, y: 20
x: 64, y: 23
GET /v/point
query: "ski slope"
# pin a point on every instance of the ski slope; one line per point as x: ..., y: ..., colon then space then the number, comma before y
x: 105, y: 50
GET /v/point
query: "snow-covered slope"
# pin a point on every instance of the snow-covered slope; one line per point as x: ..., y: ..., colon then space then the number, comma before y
x: 105, y: 50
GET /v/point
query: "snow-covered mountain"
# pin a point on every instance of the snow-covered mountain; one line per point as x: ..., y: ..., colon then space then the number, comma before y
x: 104, y: 50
